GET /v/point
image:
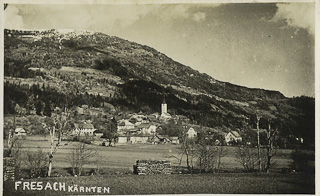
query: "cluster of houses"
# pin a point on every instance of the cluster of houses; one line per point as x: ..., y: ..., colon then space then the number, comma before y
x: 129, y: 133
x: 138, y: 128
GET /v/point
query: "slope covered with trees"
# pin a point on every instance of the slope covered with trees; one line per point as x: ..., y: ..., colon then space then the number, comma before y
x: 51, y: 68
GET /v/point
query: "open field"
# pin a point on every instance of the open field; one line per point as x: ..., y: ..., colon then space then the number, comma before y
x: 249, y: 183
x: 124, y: 156
x: 117, y: 166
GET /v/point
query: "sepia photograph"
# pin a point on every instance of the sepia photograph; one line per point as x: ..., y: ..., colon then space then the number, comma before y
x: 159, y: 97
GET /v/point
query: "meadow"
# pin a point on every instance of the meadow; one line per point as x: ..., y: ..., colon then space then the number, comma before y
x: 117, y: 172
x: 124, y: 156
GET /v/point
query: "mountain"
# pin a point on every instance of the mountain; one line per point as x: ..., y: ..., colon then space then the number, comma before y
x: 94, y: 68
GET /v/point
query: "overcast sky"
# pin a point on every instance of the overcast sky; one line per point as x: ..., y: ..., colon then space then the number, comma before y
x: 269, y: 46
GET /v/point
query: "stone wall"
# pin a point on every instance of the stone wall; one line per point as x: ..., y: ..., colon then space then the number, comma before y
x: 9, y: 168
x: 149, y: 167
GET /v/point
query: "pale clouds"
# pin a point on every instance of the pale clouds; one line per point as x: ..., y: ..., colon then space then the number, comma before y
x: 199, y: 16
x: 298, y: 15
x: 12, y: 18
x: 181, y: 11
x: 105, y: 18
x: 211, y: 38
x: 96, y: 17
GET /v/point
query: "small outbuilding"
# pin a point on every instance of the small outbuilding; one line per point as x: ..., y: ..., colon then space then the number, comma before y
x: 233, y: 136
x: 174, y: 140
x: 20, y: 132
x: 191, y: 133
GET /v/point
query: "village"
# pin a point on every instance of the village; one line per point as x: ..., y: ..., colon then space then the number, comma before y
x: 137, y: 128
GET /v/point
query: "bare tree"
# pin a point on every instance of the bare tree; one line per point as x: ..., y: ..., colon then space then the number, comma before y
x: 80, y: 156
x: 270, y: 148
x: 247, y: 156
x: 208, y: 154
x: 258, y: 133
x: 36, y: 163
x: 12, y: 138
x: 56, y: 125
x: 221, y: 152
x: 188, y: 148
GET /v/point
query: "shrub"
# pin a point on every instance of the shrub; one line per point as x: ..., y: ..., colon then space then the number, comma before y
x: 208, y: 158
x: 247, y: 157
x: 36, y: 163
x: 80, y: 156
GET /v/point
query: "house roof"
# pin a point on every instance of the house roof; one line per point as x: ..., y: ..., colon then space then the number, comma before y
x: 191, y: 129
x: 19, y: 130
x: 83, y: 126
x: 162, y: 136
x: 97, y: 131
x: 236, y: 134
x: 125, y: 123
x: 88, y: 126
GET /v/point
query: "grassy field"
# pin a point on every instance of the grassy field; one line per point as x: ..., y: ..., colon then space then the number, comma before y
x: 117, y: 167
x: 249, y: 183
x: 124, y: 156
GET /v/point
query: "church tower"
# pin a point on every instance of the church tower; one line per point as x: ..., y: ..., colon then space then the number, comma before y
x: 164, y: 107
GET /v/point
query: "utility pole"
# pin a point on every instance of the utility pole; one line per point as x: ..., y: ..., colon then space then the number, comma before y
x: 259, y: 156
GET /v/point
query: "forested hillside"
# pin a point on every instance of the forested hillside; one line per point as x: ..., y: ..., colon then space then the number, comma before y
x: 48, y: 69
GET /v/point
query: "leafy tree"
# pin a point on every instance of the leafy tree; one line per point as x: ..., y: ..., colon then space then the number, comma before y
x: 38, y: 107
x: 111, y: 132
x: 171, y: 129
x: 12, y: 139
x: 47, y: 109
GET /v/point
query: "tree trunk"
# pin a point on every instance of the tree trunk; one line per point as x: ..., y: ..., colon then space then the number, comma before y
x: 10, y: 143
x: 268, y: 163
x: 219, y: 158
x: 188, y: 165
x: 50, y: 166
x: 52, y: 132
x: 270, y: 145
x: 259, y: 155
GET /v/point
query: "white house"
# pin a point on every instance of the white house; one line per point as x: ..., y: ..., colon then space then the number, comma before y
x: 148, y: 130
x: 125, y: 125
x: 152, y: 129
x: 138, y: 139
x: 20, y: 132
x: 139, y: 119
x: 191, y: 133
x: 83, y: 129
x: 98, y: 133
x: 133, y: 139
x: 233, y: 136
x: 174, y: 140
x: 123, y: 139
